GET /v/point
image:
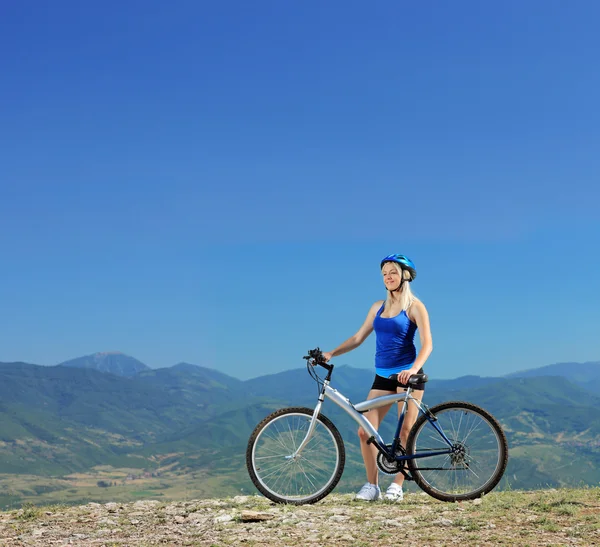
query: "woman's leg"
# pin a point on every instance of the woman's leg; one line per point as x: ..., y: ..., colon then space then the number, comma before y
x: 369, y: 451
x: 412, y: 412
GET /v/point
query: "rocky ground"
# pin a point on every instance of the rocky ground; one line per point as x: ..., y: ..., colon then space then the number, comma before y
x: 540, y: 518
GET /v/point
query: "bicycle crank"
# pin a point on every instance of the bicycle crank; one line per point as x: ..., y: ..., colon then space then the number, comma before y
x: 391, y: 467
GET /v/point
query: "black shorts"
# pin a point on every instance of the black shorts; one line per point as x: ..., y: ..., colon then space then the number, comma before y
x: 385, y: 384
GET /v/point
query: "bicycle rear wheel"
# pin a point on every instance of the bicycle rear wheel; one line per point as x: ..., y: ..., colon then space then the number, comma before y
x: 306, y: 477
x: 479, y: 452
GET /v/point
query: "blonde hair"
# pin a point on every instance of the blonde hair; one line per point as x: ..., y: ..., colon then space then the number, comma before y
x: 406, y: 295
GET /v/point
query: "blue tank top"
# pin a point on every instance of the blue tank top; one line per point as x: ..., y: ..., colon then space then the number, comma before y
x: 395, y: 346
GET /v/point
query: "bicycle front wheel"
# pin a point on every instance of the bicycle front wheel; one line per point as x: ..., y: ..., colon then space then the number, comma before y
x: 477, y: 452
x: 284, y: 476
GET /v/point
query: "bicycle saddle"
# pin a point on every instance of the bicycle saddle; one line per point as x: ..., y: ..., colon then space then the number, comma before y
x: 414, y: 380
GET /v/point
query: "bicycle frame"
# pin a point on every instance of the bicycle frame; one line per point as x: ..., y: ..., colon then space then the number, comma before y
x: 356, y: 413
x: 297, y: 455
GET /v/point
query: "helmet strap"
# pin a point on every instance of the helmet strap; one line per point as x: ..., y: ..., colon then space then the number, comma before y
x: 401, y: 283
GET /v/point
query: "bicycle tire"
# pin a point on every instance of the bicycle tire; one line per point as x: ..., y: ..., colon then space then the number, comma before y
x: 485, y: 454
x: 268, y: 442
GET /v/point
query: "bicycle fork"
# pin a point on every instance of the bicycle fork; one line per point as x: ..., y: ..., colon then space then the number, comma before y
x: 311, y: 428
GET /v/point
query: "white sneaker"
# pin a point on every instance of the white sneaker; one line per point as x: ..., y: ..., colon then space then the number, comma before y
x: 394, y: 492
x: 369, y: 492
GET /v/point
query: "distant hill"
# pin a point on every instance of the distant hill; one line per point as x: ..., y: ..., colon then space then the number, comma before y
x: 112, y: 362
x: 200, y: 387
x: 586, y: 375
x: 64, y: 419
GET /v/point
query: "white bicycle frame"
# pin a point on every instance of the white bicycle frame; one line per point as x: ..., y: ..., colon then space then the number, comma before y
x: 355, y: 412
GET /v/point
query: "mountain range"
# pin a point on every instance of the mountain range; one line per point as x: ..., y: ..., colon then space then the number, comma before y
x: 109, y: 410
x: 113, y: 362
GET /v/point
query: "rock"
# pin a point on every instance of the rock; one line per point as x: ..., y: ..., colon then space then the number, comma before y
x: 222, y: 519
x: 256, y: 516
x: 301, y: 513
x: 241, y: 499
x: 477, y: 501
x: 179, y: 519
x: 443, y: 522
x: 393, y: 523
x: 137, y: 514
x: 145, y: 504
x: 399, y: 522
x: 196, y: 517
x: 175, y: 510
x: 339, y: 518
x: 215, y: 503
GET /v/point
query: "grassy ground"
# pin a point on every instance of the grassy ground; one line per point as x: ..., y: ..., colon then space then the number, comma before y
x: 534, y: 519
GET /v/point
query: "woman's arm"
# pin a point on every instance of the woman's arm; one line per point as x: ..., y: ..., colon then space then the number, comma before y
x: 360, y: 336
x: 421, y: 318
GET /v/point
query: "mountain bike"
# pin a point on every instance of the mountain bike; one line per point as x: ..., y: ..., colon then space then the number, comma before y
x: 455, y: 451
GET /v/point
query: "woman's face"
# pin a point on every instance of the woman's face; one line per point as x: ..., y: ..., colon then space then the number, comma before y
x: 391, y: 276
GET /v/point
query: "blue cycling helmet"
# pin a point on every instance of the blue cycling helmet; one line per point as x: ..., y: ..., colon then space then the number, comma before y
x: 404, y: 262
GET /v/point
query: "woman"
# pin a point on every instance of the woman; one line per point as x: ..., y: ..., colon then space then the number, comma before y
x: 395, y: 321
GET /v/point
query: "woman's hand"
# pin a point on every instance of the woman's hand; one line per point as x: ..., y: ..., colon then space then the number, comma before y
x: 405, y: 375
x: 327, y: 355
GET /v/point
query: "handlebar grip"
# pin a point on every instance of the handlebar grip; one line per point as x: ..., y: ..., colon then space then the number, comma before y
x: 317, y: 355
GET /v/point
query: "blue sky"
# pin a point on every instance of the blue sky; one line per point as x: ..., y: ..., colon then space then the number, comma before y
x: 216, y: 182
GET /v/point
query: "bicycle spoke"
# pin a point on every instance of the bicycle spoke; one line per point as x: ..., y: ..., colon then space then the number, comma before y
x: 268, y: 457
x: 276, y: 470
x: 471, y: 470
x: 314, y: 465
x: 315, y: 442
x: 279, y: 440
x: 474, y: 428
x: 305, y: 474
x: 292, y: 437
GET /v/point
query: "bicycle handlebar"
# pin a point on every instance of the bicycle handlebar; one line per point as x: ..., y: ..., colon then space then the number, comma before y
x: 316, y: 356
